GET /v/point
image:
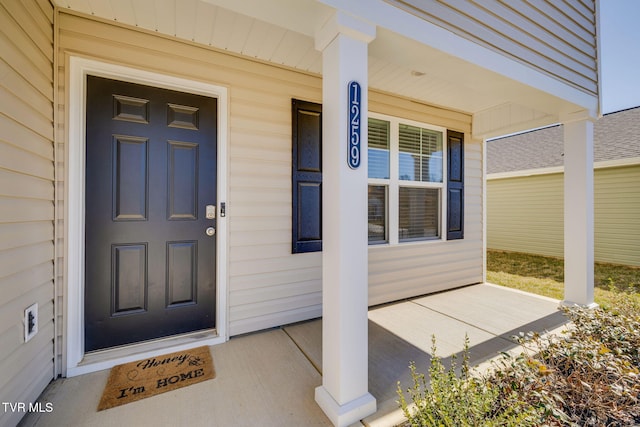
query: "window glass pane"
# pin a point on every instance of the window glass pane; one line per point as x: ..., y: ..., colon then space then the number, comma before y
x: 377, y: 214
x: 420, y: 157
x: 409, y: 146
x: 432, y: 160
x: 378, y: 149
x: 419, y: 213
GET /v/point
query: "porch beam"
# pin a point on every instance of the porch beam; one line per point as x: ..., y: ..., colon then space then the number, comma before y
x: 578, y: 210
x: 344, y: 394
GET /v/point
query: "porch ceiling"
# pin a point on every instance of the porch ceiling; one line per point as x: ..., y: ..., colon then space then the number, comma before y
x: 282, y: 32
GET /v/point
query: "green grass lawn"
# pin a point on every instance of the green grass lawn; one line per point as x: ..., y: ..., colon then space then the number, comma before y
x: 545, y: 276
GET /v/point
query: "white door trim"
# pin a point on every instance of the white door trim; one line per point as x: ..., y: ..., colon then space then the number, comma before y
x: 75, y: 362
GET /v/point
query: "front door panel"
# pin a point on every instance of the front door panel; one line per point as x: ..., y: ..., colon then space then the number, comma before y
x: 150, y: 174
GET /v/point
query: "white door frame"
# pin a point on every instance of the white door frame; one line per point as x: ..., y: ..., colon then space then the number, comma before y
x: 74, y: 360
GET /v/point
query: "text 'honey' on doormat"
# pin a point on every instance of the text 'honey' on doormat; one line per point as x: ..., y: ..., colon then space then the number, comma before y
x: 145, y: 378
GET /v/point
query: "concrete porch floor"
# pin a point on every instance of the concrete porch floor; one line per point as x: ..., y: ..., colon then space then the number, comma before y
x: 268, y: 378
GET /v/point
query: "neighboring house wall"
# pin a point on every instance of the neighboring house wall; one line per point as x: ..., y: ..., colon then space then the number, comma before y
x: 558, y: 38
x: 26, y: 199
x: 525, y: 214
x: 616, y: 216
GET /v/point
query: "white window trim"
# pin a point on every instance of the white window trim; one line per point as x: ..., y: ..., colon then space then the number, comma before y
x: 74, y: 360
x: 394, y: 182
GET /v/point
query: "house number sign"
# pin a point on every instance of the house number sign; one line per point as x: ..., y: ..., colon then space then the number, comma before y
x: 355, y: 95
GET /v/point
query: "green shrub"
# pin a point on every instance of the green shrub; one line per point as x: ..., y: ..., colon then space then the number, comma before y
x: 587, y: 376
x: 446, y: 399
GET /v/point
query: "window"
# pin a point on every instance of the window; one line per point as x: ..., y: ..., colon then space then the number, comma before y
x: 407, y: 190
x: 416, y: 180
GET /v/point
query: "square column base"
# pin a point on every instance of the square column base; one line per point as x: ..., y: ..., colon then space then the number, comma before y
x: 565, y: 303
x: 347, y: 414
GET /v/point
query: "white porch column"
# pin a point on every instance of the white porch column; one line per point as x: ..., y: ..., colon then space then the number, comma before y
x: 344, y: 395
x: 578, y: 210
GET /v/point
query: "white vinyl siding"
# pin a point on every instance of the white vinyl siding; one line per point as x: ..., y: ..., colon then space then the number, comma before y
x: 557, y: 37
x: 269, y: 286
x: 26, y: 200
x: 410, y: 269
x: 525, y: 214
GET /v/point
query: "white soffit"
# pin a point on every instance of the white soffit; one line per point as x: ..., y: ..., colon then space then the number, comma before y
x: 282, y: 32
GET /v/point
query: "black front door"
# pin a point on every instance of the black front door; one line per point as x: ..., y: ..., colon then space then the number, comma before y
x: 149, y: 213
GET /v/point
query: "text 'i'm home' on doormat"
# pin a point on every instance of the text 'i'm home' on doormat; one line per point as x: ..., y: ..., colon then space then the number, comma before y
x: 148, y: 377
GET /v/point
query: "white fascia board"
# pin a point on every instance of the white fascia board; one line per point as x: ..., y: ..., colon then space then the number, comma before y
x: 397, y: 20
x: 631, y: 161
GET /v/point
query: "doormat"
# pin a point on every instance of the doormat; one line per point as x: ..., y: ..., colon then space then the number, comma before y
x: 148, y: 377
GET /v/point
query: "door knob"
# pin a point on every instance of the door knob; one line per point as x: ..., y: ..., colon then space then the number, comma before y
x: 210, y: 231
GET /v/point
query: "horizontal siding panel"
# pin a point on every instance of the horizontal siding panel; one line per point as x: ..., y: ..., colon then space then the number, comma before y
x: 34, y: 26
x: 35, y: 376
x: 269, y: 195
x: 274, y: 306
x: 11, y: 322
x: 248, y: 238
x: 18, y: 185
x: 26, y: 114
x: 253, y: 296
x: 242, y: 326
x: 42, y: 16
x: 25, y: 210
x: 23, y: 137
x: 22, y: 258
x: 260, y: 167
x: 260, y: 224
x: 22, y: 88
x: 583, y: 22
x: 529, y: 48
x: 26, y: 281
x: 267, y: 98
x: 522, y: 34
x: 398, y: 272
x: 33, y: 389
x: 256, y: 182
x: 392, y: 291
x: 262, y: 251
x: 554, y: 29
x: 16, y: 159
x: 27, y: 369
x: 22, y: 234
x: 276, y: 278
x: 25, y: 67
x: 258, y: 266
x: 273, y: 209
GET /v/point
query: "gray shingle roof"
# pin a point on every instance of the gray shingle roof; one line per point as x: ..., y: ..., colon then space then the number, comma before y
x: 616, y: 136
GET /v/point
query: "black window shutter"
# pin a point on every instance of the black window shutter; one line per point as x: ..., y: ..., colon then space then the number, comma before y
x: 455, y: 185
x: 306, y: 176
